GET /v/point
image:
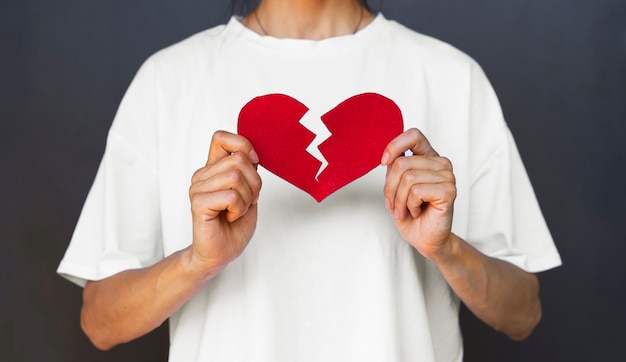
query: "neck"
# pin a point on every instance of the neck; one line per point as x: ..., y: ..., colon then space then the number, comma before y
x: 307, y: 19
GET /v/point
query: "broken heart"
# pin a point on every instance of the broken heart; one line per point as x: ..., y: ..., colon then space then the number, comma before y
x: 360, y: 127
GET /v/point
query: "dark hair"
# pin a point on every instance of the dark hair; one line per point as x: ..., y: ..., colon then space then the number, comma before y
x: 242, y: 7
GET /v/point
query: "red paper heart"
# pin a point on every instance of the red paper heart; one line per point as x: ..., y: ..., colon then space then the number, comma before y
x: 360, y: 127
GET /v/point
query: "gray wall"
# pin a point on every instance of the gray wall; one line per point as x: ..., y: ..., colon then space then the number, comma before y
x: 559, y: 67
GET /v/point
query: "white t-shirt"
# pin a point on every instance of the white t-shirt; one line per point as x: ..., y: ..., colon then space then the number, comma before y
x: 328, y: 281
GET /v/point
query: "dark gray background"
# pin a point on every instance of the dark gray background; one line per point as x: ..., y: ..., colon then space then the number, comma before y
x: 559, y: 67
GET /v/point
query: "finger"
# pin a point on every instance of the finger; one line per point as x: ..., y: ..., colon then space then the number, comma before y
x: 244, y: 179
x: 236, y: 161
x: 439, y: 196
x: 411, y: 140
x: 230, y: 180
x: 399, y: 166
x: 225, y: 143
x: 412, y: 179
x: 210, y: 204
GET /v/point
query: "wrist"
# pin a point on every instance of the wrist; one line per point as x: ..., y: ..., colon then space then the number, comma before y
x: 198, y: 268
x: 448, y: 252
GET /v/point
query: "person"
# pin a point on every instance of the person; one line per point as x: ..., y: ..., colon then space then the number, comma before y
x: 259, y: 270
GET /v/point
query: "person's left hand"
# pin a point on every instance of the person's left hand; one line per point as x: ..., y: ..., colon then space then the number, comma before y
x: 419, y: 193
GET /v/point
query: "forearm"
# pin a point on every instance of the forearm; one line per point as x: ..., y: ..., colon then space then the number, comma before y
x: 134, y: 302
x: 223, y: 196
x: 499, y: 293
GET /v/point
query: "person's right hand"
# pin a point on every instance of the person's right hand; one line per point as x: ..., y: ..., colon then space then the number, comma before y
x: 223, y: 198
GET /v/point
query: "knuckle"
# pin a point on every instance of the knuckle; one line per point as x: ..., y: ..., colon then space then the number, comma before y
x: 446, y: 163
x: 196, y: 190
x: 450, y: 189
x: 234, y: 176
x: 218, y: 135
x: 416, y: 190
x: 386, y: 189
x: 197, y: 175
x: 257, y: 183
x: 452, y: 178
x: 196, y: 201
x: 401, y: 163
x: 231, y: 196
x: 416, y: 134
x: 408, y: 177
x: 447, y: 176
x: 413, y: 132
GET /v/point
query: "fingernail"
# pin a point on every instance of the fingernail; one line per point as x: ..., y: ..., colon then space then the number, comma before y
x: 254, y: 157
x: 396, y: 214
x: 385, y: 158
x: 387, y: 204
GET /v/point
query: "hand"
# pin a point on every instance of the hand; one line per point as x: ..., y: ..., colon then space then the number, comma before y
x: 419, y: 193
x: 223, y: 198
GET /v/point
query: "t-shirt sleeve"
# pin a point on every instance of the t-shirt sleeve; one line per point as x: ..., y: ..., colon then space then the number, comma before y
x: 505, y: 220
x: 119, y: 226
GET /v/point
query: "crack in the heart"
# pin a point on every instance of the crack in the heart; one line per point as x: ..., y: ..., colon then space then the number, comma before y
x: 311, y: 122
